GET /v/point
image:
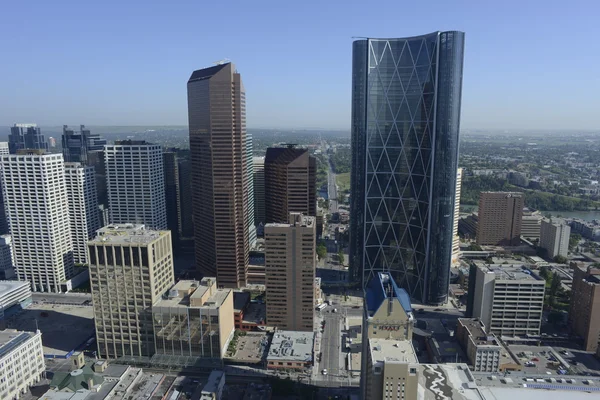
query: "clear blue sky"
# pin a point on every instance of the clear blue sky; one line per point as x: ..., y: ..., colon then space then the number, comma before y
x: 529, y: 64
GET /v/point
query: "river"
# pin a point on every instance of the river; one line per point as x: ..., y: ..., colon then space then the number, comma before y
x: 585, y: 215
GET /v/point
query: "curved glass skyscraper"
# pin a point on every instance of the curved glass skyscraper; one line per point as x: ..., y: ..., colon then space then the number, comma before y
x: 406, y: 96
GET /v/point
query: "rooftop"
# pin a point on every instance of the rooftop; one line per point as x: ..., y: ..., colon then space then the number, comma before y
x: 291, y: 346
x: 477, y: 332
x: 213, y: 381
x: 11, y: 339
x: 240, y: 300
x: 382, y: 287
x: 183, y: 292
x: 296, y: 219
x: 396, y: 351
x: 10, y: 286
x: 206, y: 73
x: 450, y: 381
x: 510, y: 272
x: 126, y: 234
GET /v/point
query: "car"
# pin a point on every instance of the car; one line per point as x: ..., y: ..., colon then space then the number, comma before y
x: 324, y: 371
x: 535, y: 359
x: 439, y: 309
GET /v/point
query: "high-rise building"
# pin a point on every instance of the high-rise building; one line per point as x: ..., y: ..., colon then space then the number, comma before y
x: 37, y: 208
x: 4, y: 148
x: 554, y: 237
x: 290, y: 261
x: 21, y: 362
x: 218, y: 150
x: 7, y: 263
x: 75, y: 145
x: 185, y: 188
x: 406, y: 97
x: 584, y: 312
x: 455, y: 238
x: 172, y: 195
x: 135, y: 183
x: 84, y: 214
x: 96, y: 160
x: 290, y: 183
x: 499, y: 218
x: 259, y: 190
x: 249, y: 189
x: 26, y: 137
x: 531, y: 224
x: 507, y: 299
x: 130, y: 269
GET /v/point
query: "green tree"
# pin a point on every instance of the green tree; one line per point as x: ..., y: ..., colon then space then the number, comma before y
x: 560, y: 259
x: 574, y: 240
x: 321, y: 250
x: 340, y: 257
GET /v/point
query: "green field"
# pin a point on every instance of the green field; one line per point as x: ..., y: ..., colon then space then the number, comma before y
x: 343, y: 182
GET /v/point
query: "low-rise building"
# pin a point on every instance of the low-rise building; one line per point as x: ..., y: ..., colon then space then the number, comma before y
x: 14, y: 296
x: 7, y: 263
x: 213, y: 390
x: 21, y: 362
x: 248, y: 316
x: 584, y: 313
x: 291, y: 350
x: 195, y: 320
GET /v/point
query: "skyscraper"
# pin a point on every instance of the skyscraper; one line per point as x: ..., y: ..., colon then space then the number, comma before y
x: 186, y: 203
x: 455, y: 238
x: 217, y: 123
x: 38, y: 213
x: 172, y: 195
x: 136, y: 183
x: 500, y: 216
x: 75, y: 145
x: 259, y: 189
x: 290, y: 183
x: 249, y: 189
x: 406, y: 96
x: 26, y: 136
x: 80, y: 184
x: 130, y: 269
x: 290, y: 261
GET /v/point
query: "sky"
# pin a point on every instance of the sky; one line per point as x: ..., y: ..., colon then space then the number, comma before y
x: 529, y: 64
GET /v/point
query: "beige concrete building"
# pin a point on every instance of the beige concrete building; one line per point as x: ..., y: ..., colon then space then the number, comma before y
x: 21, y: 362
x: 584, y: 314
x: 507, y: 299
x: 499, y: 218
x: 195, y: 320
x: 392, y: 370
x: 554, y: 237
x: 290, y: 259
x: 130, y: 269
x: 291, y: 350
x: 531, y: 224
x: 455, y: 239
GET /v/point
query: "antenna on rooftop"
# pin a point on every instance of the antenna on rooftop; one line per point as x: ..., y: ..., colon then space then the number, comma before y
x: 223, y: 61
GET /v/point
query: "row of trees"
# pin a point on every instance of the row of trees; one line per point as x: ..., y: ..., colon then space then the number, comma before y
x: 341, y: 160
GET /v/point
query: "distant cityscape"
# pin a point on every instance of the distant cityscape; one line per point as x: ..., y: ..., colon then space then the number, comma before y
x: 402, y: 259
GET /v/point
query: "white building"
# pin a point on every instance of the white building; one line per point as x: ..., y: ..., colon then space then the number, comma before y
x: 213, y: 390
x: 455, y: 239
x: 136, y: 184
x: 4, y: 148
x: 21, y: 362
x: 37, y: 209
x: 554, y: 237
x: 83, y: 208
x: 7, y: 265
x: 259, y: 189
x: 14, y: 296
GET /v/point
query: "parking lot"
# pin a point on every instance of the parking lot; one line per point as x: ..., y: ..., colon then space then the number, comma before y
x: 251, y: 348
x: 549, y: 360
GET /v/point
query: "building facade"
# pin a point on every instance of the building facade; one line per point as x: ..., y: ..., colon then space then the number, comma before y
x: 584, y: 312
x: 249, y: 189
x: 531, y: 224
x: 554, y: 238
x: 455, y: 238
x: 259, y: 190
x: 290, y: 261
x: 499, y: 218
x: 406, y: 96
x: 130, y: 269
x: 37, y: 207
x: 135, y: 183
x: 483, y: 349
x: 7, y: 261
x: 218, y: 150
x: 26, y: 137
x: 84, y: 214
x: 195, y: 320
x: 290, y: 183
x: 186, y: 199
x: 172, y: 195
x: 21, y: 362
x: 14, y: 297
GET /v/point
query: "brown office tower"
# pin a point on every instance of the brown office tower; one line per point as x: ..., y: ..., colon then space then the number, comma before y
x: 584, y: 315
x: 290, y: 259
x: 290, y: 183
x: 217, y: 123
x: 500, y: 216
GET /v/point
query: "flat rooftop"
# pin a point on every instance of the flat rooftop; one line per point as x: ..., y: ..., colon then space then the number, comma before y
x: 475, y: 329
x: 291, y: 346
x: 449, y: 381
x: 11, y: 338
x: 182, y: 292
x: 10, y: 286
x: 126, y: 234
x: 240, y: 299
x: 510, y: 272
x: 256, y: 313
x: 397, y: 351
x: 213, y: 381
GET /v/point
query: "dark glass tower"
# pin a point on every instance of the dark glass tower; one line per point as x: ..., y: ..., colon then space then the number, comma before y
x: 26, y: 137
x: 406, y: 97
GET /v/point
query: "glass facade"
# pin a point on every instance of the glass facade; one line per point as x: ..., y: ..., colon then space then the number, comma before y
x: 405, y: 122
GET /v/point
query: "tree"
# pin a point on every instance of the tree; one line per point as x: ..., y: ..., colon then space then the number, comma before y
x: 321, y: 250
x: 560, y: 259
x: 574, y: 240
x: 340, y: 257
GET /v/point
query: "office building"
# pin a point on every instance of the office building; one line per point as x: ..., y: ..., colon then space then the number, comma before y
x: 259, y: 189
x: 3, y: 222
x: 290, y: 261
x: 130, y: 269
x: 37, y: 208
x: 392, y: 370
x: 483, y: 349
x: 14, y: 297
x: 7, y: 263
x: 195, y: 319
x: 26, y: 137
x: 455, y: 238
x: 84, y: 214
x: 291, y: 350
x: 186, y: 200
x: 21, y: 362
x: 507, y: 299
x: 584, y: 312
x: 213, y: 390
x: 531, y: 224
x: 404, y: 160
x: 96, y: 160
x: 75, y: 145
x: 499, y: 218
x: 249, y: 189
x: 554, y: 237
x: 218, y: 151
x: 290, y: 183
x: 172, y: 195
x: 136, y: 183
x: 4, y: 148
